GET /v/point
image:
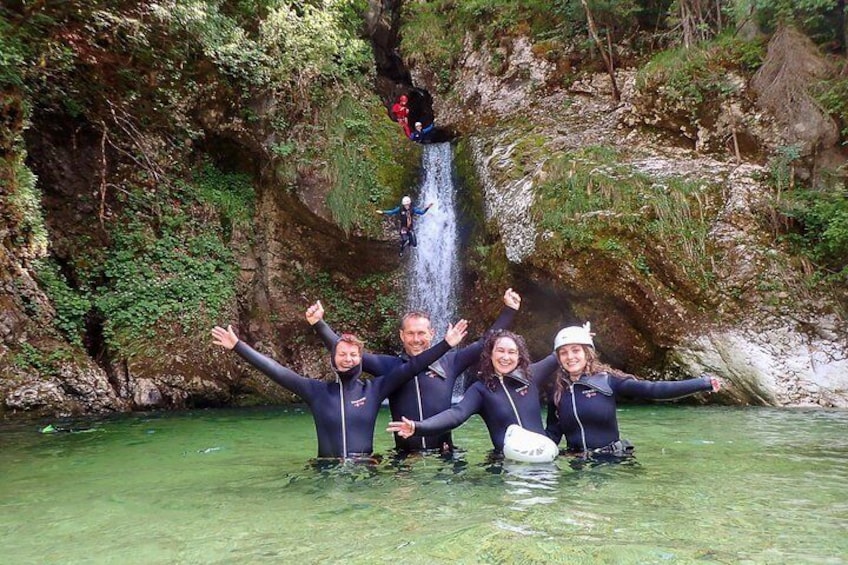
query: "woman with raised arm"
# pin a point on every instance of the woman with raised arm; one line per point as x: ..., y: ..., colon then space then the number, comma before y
x: 506, y: 393
x: 583, y: 408
x: 344, y: 410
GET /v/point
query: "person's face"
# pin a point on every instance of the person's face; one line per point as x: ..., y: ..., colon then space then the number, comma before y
x: 505, y: 355
x: 347, y: 356
x: 572, y: 358
x: 416, y: 335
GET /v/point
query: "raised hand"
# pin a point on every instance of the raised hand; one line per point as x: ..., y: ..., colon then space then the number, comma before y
x: 405, y: 428
x: 512, y: 299
x: 716, y: 382
x: 224, y: 337
x: 315, y: 313
x: 456, y: 333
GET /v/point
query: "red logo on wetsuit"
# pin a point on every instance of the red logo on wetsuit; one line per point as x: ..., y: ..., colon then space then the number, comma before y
x: 358, y: 403
x: 589, y: 393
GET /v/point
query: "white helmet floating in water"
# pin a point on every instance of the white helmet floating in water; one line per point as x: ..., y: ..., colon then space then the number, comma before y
x: 406, y: 200
x: 528, y: 447
x: 580, y: 335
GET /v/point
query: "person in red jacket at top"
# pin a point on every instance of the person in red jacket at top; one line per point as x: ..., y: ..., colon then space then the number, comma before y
x: 401, y: 113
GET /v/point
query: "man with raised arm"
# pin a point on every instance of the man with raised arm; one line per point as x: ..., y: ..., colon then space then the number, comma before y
x: 344, y: 410
x: 430, y: 391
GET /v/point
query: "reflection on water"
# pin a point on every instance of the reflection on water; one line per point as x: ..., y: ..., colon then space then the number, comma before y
x: 240, y: 486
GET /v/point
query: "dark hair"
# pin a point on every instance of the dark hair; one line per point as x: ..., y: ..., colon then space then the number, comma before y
x: 486, y: 371
x: 591, y: 360
x: 413, y: 314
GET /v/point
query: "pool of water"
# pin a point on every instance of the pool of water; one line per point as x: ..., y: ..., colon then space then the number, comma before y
x: 708, y: 485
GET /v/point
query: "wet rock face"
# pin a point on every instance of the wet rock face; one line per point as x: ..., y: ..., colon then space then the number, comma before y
x: 77, y: 388
x: 773, y: 347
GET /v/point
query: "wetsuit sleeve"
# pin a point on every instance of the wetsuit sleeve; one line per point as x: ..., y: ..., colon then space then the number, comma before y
x: 402, y: 373
x: 429, y: 128
x: 552, y: 424
x: 469, y: 355
x: 284, y: 377
x: 379, y: 365
x: 543, y: 371
x: 448, y: 419
x: 392, y: 212
x: 659, y: 390
x: 419, y: 211
x: 326, y: 333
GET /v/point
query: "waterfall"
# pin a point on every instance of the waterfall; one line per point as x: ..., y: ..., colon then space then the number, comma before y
x: 433, y: 270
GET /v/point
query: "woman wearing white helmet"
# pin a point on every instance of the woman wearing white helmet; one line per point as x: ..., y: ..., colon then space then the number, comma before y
x: 406, y: 213
x: 584, y: 399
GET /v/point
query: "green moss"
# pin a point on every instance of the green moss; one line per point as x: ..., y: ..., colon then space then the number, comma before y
x: 368, y: 161
x: 591, y: 202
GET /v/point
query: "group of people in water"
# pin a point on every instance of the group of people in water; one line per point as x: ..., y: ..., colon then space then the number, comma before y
x: 508, y: 391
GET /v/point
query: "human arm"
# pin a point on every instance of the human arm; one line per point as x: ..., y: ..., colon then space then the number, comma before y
x: 315, y: 317
x: 467, y: 356
x: 402, y: 373
x: 663, y: 390
x: 442, y: 422
x: 544, y: 370
x: 393, y: 212
x: 281, y: 375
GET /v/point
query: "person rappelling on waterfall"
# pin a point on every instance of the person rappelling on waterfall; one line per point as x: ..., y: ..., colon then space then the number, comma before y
x: 400, y: 112
x: 421, y: 134
x: 406, y: 213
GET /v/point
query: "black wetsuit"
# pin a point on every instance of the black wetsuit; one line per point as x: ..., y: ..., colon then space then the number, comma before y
x: 345, y: 411
x: 406, y: 223
x: 496, y: 405
x: 430, y: 391
x: 586, y: 416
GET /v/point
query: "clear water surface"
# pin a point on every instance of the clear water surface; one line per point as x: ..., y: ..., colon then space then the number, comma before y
x: 709, y: 485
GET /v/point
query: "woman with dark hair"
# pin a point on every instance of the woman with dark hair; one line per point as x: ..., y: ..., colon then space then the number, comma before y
x: 583, y: 396
x: 506, y: 392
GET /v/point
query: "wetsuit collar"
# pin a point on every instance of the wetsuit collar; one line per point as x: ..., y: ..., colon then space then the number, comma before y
x: 436, y: 366
x: 518, y: 375
x: 598, y: 382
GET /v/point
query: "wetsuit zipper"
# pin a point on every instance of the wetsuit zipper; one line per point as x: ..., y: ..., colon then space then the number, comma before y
x: 344, y: 423
x: 511, y: 403
x: 420, y: 409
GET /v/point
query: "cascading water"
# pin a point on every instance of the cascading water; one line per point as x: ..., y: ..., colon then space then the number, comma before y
x: 434, y: 266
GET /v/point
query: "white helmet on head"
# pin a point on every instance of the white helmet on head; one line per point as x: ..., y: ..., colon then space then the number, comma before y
x: 406, y: 200
x: 579, y: 335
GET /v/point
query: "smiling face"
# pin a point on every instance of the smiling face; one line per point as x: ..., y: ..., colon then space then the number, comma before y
x: 572, y: 358
x: 416, y: 335
x: 504, y: 355
x: 347, y: 356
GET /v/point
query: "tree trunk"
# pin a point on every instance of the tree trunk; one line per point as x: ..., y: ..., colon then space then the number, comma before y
x: 608, y: 61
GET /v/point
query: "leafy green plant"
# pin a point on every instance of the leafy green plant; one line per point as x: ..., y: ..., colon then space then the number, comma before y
x: 33, y: 360
x: 71, y: 305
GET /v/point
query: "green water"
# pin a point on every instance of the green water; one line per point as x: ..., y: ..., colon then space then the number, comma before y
x: 709, y: 485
